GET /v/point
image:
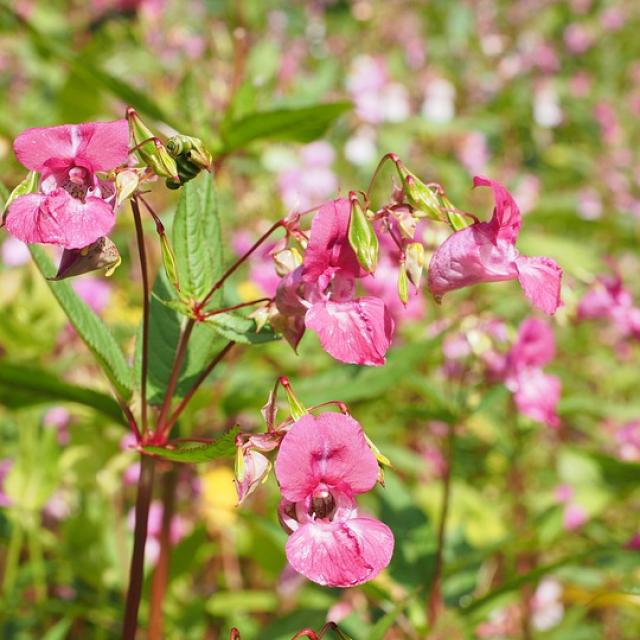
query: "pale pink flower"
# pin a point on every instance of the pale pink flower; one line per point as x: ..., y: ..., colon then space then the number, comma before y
x: 546, y: 604
x: 577, y: 38
x: 5, y: 466
x: 439, y: 106
x: 474, y: 152
x: 323, y: 463
x: 58, y: 418
x: 256, y: 467
x: 564, y: 493
x: 628, y: 441
x: 95, y: 292
x: 574, y: 517
x: 321, y: 293
x: 486, y: 252
x: 15, y: 253
x: 311, y: 180
x: 73, y: 207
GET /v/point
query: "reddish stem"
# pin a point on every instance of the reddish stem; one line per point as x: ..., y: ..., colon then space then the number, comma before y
x: 160, y: 576
x: 209, y: 314
x: 196, y: 385
x: 236, y: 264
x: 136, y: 571
x: 145, y: 314
x: 181, y: 352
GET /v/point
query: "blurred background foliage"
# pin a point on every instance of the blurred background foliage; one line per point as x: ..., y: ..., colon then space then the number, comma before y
x: 542, y: 95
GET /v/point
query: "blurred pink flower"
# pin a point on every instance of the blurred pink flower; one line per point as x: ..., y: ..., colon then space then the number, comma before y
x: 73, y: 207
x: 546, y: 604
x: 486, y: 252
x: 628, y: 441
x: 312, y: 180
x: 438, y: 105
x: 577, y: 38
x: 323, y: 462
x: 15, y: 253
x: 95, y: 292
x: 574, y: 517
x: 58, y: 418
x: 473, y: 153
x: 261, y: 268
x: 5, y: 467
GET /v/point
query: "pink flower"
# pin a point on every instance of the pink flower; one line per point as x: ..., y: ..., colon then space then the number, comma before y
x: 15, y: 253
x: 58, y: 418
x: 574, y: 517
x: 321, y: 291
x: 256, y: 467
x: 323, y: 462
x: 628, y: 441
x: 486, y: 252
x: 73, y: 207
x: 96, y: 292
x: 535, y: 392
x: 5, y: 467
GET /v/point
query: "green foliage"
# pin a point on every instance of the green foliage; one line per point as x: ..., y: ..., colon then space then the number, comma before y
x: 302, y: 124
x: 223, y: 447
x: 89, y: 327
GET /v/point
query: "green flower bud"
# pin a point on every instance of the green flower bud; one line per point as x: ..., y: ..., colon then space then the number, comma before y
x: 403, y: 285
x: 414, y: 262
x: 363, y: 238
x: 287, y: 261
x: 150, y: 150
x: 127, y: 182
x: 169, y: 261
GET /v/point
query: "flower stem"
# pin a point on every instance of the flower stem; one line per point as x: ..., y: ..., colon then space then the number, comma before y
x: 196, y: 385
x: 136, y: 571
x: 434, y: 604
x: 216, y: 312
x: 181, y: 352
x: 160, y: 575
x: 12, y: 558
x: 238, y: 262
x: 145, y: 312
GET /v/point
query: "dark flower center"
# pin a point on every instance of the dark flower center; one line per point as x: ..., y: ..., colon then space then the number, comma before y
x: 77, y: 183
x: 322, y: 504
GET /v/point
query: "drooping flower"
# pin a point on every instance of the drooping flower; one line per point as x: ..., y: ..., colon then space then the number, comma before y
x: 321, y: 293
x: 486, y: 252
x: 73, y: 207
x: 323, y: 463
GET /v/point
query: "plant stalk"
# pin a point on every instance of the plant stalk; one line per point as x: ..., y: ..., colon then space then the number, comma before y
x: 136, y: 571
x: 145, y: 313
x: 435, y: 603
x: 161, y: 573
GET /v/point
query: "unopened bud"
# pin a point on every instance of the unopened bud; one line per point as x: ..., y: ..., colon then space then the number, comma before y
x: 414, y: 262
x: 287, y: 261
x: 419, y: 195
x: 169, y: 261
x: 191, y: 149
x: 127, y: 182
x: 456, y: 220
x: 252, y: 469
x: 296, y: 408
x: 150, y: 150
x: 363, y: 238
x: 403, y: 284
x: 407, y: 222
x: 28, y: 185
x: 102, y: 254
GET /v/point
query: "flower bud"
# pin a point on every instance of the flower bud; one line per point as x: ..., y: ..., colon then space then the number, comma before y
x: 363, y: 238
x: 28, y: 185
x: 419, y: 195
x: 403, y: 284
x: 150, y: 150
x: 102, y: 254
x: 414, y: 262
x: 191, y: 157
x: 127, y: 182
x: 456, y: 220
x: 169, y: 261
x: 287, y: 261
x: 252, y: 469
x: 296, y: 408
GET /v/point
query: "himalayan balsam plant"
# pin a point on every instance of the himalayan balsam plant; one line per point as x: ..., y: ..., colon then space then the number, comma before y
x: 326, y: 260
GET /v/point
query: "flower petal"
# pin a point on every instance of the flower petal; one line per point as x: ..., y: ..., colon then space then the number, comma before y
x: 506, y: 218
x: 98, y: 145
x: 540, y: 279
x: 29, y: 221
x: 537, y: 396
x: 341, y: 554
x: 105, y: 144
x: 471, y: 256
x: 358, y: 331
x: 82, y: 223
x: 329, y: 251
x: 329, y: 448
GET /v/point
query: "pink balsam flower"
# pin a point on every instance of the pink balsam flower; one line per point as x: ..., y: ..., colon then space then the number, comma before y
x: 322, y: 292
x: 73, y: 207
x: 323, y: 463
x: 486, y: 252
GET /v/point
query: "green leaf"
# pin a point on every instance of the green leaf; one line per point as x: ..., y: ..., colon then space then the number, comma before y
x: 223, y: 447
x: 617, y: 472
x: 196, y: 237
x: 28, y: 386
x: 302, y: 124
x: 240, y: 329
x: 89, y: 326
x: 165, y: 322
